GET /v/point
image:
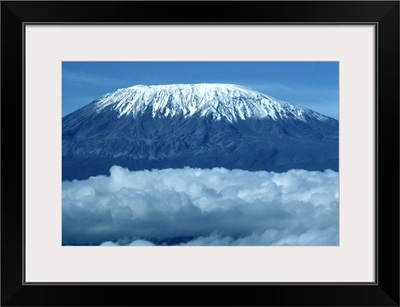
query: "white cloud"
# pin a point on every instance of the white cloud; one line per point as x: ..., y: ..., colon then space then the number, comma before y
x: 202, y: 207
x: 133, y: 243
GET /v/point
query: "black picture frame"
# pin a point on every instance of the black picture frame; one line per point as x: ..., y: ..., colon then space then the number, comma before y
x: 383, y: 14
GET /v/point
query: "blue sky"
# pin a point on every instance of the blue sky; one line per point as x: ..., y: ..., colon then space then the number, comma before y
x: 314, y: 85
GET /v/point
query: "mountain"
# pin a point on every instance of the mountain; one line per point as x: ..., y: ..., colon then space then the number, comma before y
x: 196, y: 125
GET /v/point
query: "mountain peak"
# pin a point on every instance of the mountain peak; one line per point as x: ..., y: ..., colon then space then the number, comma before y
x: 228, y: 102
x: 196, y: 125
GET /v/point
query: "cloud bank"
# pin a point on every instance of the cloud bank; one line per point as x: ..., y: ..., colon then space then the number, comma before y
x: 193, y: 206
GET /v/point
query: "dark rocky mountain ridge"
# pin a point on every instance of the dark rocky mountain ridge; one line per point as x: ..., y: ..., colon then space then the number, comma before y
x: 153, y: 129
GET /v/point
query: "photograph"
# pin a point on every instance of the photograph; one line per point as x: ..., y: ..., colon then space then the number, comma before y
x: 246, y: 147
x: 200, y: 153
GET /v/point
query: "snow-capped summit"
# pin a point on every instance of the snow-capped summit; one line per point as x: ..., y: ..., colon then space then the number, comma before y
x: 195, y: 125
x: 221, y: 101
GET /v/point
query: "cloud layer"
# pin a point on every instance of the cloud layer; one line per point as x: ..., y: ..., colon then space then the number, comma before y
x: 201, y: 207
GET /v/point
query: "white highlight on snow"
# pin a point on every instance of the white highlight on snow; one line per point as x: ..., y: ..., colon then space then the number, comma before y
x: 222, y: 101
x: 207, y: 206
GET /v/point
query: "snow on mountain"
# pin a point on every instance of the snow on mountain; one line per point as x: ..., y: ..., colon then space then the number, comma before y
x: 221, y: 101
x: 195, y: 125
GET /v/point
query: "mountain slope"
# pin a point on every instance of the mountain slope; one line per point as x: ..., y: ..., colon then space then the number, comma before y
x: 221, y: 101
x: 197, y: 125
